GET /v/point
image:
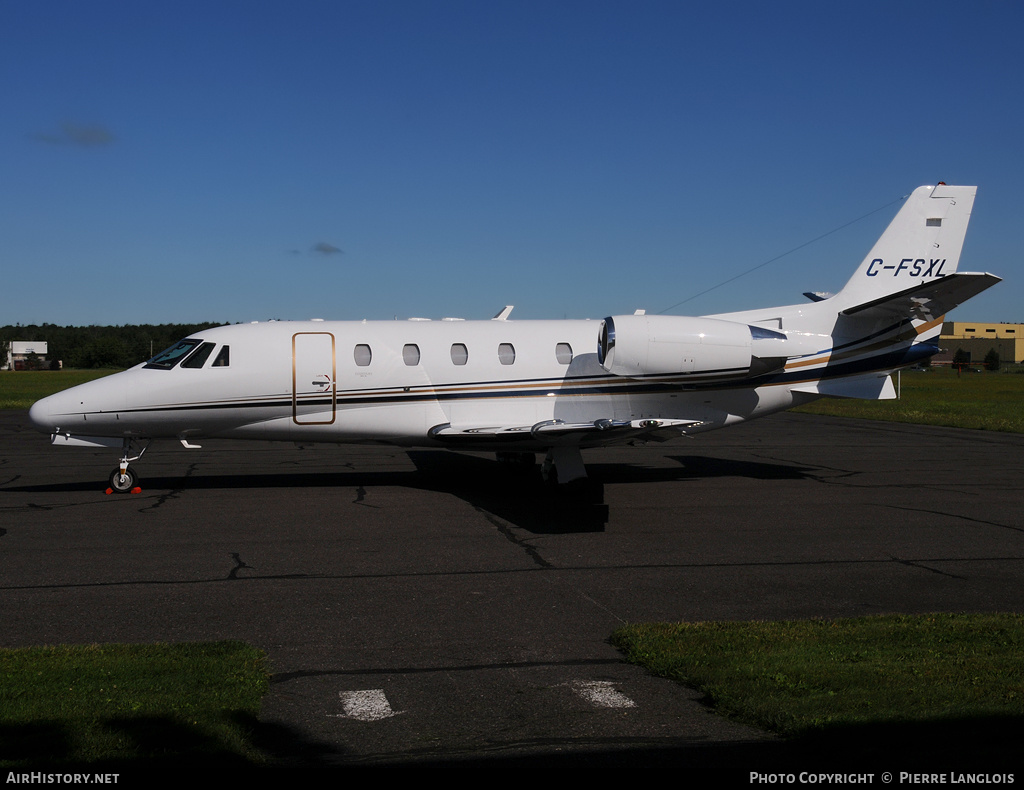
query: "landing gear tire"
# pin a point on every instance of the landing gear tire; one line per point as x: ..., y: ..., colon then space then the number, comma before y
x: 122, y: 484
x: 584, y: 490
x: 514, y: 460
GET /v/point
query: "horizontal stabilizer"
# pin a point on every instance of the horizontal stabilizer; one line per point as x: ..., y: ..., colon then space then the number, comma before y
x: 870, y: 387
x: 928, y: 300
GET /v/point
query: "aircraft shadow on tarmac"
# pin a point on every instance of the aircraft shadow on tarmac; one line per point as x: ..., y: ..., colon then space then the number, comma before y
x: 519, y: 496
x: 513, y: 493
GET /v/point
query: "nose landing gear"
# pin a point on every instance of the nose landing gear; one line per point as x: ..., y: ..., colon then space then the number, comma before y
x: 123, y: 479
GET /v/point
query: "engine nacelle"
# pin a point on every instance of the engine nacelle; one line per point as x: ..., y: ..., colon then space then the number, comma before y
x: 699, y: 349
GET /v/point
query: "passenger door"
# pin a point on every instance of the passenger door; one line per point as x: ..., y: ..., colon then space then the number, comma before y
x: 314, y: 378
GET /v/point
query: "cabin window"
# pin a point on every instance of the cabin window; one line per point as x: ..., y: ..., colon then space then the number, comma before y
x: 506, y: 353
x: 362, y: 355
x: 411, y: 354
x: 223, y: 359
x: 460, y: 354
x: 198, y: 357
x: 170, y: 357
x: 933, y: 222
x: 563, y: 353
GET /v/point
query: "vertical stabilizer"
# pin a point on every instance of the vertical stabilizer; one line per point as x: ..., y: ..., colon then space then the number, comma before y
x: 921, y: 244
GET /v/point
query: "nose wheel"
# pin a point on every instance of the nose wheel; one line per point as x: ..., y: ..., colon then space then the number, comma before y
x: 122, y: 481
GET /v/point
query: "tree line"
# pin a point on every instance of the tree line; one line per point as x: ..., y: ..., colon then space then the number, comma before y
x: 102, y: 346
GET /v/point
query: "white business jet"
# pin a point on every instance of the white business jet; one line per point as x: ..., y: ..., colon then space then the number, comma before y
x: 523, y: 387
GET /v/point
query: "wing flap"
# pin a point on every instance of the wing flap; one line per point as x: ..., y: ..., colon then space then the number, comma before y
x: 558, y: 431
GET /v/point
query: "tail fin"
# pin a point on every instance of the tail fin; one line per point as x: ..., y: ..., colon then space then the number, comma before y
x: 890, y: 312
x: 921, y: 244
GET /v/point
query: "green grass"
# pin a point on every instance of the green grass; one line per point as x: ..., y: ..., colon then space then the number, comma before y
x: 800, y: 677
x: 20, y: 389
x: 120, y: 704
x: 983, y: 401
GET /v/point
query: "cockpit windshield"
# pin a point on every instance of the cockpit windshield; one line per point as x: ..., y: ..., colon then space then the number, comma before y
x: 199, y: 357
x: 167, y: 359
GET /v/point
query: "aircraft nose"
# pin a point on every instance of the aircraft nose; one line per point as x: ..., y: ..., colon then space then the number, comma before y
x: 54, y: 412
x: 39, y: 414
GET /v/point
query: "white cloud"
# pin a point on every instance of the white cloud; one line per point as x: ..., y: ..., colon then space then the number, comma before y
x: 83, y: 135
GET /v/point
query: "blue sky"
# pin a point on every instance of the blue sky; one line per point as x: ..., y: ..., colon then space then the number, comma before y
x: 237, y: 161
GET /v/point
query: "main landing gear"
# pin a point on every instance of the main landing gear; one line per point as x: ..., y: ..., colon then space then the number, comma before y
x: 123, y: 479
x: 563, y: 471
x: 563, y: 465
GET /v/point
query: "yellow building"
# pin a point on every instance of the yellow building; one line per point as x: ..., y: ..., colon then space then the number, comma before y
x: 978, y: 338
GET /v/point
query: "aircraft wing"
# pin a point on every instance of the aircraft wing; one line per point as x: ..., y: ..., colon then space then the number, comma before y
x: 561, y: 432
x: 929, y: 300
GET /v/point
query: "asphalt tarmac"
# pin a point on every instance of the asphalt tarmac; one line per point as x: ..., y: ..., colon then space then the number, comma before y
x: 433, y: 608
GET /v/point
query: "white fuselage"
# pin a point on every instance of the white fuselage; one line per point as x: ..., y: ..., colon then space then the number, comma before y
x: 553, y: 386
x: 389, y: 382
